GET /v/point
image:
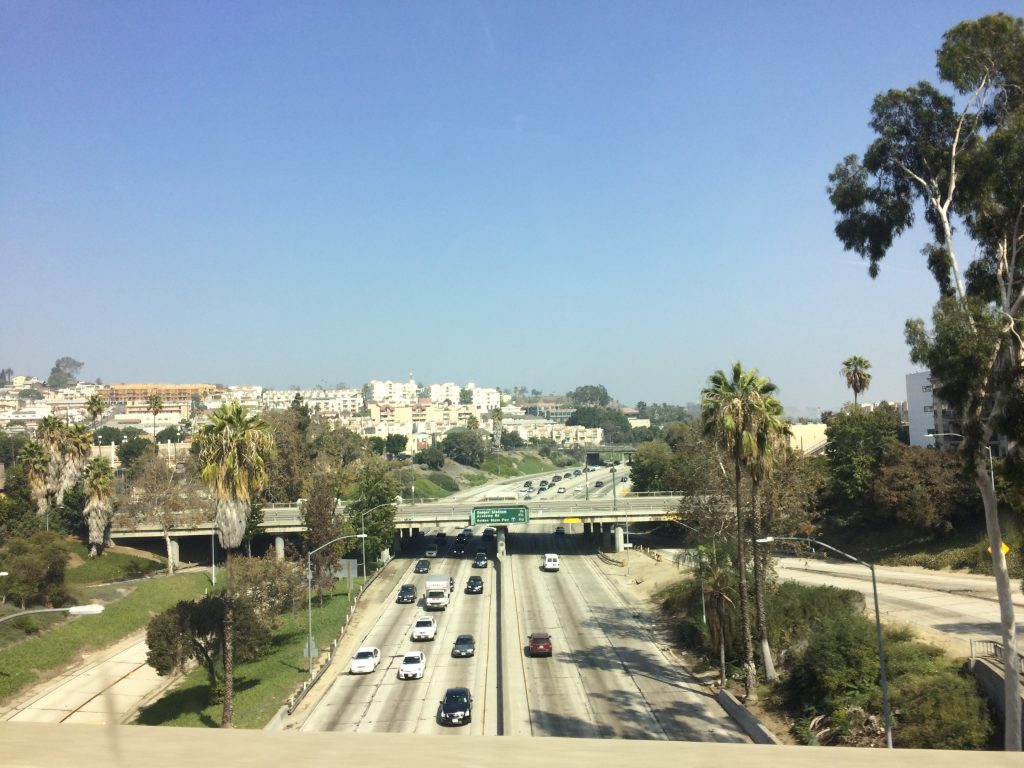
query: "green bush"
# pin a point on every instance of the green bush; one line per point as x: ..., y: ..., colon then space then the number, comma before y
x: 940, y: 709
x: 838, y: 667
x: 112, y: 566
x: 443, y: 481
x: 794, y: 611
x: 500, y: 465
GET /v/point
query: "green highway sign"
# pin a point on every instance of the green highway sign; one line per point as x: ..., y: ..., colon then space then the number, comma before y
x: 500, y: 515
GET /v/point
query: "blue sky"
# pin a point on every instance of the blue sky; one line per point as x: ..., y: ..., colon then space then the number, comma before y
x: 523, y: 193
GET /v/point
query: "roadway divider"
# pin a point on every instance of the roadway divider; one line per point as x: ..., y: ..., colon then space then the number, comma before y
x: 610, y: 560
x: 745, y: 719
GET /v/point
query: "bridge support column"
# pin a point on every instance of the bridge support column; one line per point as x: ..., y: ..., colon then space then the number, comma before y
x: 279, y: 547
x: 619, y: 538
x: 172, y: 552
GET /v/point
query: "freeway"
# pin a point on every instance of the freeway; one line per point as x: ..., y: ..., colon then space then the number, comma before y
x: 607, y: 678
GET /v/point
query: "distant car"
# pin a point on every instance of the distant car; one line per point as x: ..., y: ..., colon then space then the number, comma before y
x: 425, y: 628
x: 406, y: 594
x: 562, y: 489
x: 474, y: 585
x: 441, y: 537
x: 465, y: 645
x: 540, y: 644
x: 599, y: 484
x: 624, y: 479
x: 459, y: 549
x: 556, y: 478
x: 432, y: 550
x: 412, y: 666
x: 576, y: 473
x: 456, y: 707
x: 461, y: 538
x: 422, y: 566
x: 480, y: 560
x: 528, y: 483
x: 559, y: 530
x: 365, y: 660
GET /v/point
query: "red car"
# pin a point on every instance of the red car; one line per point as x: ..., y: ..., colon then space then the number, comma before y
x: 540, y: 644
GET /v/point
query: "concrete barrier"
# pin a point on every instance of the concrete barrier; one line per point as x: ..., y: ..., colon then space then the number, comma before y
x: 745, y: 719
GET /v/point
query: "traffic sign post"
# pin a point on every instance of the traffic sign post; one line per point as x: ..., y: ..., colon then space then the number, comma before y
x: 499, y: 515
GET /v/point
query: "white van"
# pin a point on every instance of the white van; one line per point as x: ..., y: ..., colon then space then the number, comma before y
x: 550, y: 562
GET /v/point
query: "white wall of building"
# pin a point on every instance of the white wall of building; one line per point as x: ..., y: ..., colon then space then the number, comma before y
x: 920, y: 408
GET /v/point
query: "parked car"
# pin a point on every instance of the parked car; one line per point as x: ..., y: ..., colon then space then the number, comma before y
x: 406, y: 594
x: 365, y: 660
x: 412, y: 666
x: 422, y: 566
x: 456, y: 707
x: 540, y: 644
x: 425, y: 628
x: 474, y: 585
x: 465, y: 645
x: 480, y: 560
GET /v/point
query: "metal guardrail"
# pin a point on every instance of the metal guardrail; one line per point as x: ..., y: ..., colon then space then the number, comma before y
x: 991, y: 649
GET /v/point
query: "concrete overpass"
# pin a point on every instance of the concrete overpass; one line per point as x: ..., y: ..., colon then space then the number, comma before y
x: 593, y: 514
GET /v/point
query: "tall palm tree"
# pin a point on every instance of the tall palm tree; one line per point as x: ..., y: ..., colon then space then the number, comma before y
x: 154, y: 404
x: 98, y: 482
x: 233, y: 449
x: 95, y: 406
x: 729, y: 413
x: 855, y: 371
x: 718, y: 589
x: 770, y: 431
x: 36, y: 461
x: 76, y: 450
x: 67, y: 449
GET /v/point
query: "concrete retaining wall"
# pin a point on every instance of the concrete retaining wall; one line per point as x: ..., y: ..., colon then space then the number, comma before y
x: 744, y: 719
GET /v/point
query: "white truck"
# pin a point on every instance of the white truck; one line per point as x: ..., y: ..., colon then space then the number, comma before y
x: 437, y: 592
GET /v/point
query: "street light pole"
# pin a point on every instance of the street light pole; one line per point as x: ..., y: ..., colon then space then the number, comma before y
x: 362, y: 528
x: 878, y: 620
x: 90, y: 609
x: 613, y: 487
x: 310, y: 644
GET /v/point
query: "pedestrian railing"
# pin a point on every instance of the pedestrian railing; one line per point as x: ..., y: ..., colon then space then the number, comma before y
x: 991, y: 649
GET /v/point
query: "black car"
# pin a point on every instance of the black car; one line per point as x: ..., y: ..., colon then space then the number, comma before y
x: 407, y: 594
x: 480, y: 560
x: 422, y: 566
x: 456, y: 707
x: 465, y: 645
x: 599, y: 484
x: 459, y: 549
x: 474, y: 585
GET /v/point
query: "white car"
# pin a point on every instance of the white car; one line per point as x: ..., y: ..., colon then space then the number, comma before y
x: 412, y: 666
x: 365, y: 661
x: 425, y: 628
x: 561, y: 489
x: 432, y: 550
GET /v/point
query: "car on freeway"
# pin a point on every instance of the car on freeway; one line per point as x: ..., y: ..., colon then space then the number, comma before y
x: 465, y: 645
x: 559, y: 530
x: 406, y: 594
x: 458, y: 549
x: 480, y: 560
x: 528, y: 483
x: 365, y: 660
x: 556, y: 479
x: 441, y: 537
x: 425, y: 628
x: 432, y: 550
x: 562, y: 489
x: 599, y: 484
x: 576, y: 473
x: 474, y: 585
x: 624, y: 479
x: 412, y: 666
x: 540, y: 644
x: 456, y: 707
x: 422, y: 566
x: 467, y: 532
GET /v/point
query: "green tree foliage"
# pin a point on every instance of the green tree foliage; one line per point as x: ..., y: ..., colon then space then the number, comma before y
x: 615, y: 425
x: 376, y: 445
x: 464, y: 446
x: 663, y: 414
x: 511, y: 440
x: 36, y: 567
x: 30, y: 394
x: 859, y: 444
x: 133, y: 450
x: 465, y: 396
x: 589, y: 395
x: 432, y: 457
x: 6, y: 377
x: 940, y: 709
x: 924, y: 488
x: 652, y: 467
x: 960, y: 157
x: 195, y: 631
x: 339, y: 446
x: 168, y: 435
x: 64, y: 373
x: 271, y: 587
x: 377, y: 490
x: 396, y: 444
x: 322, y: 525
x: 293, y: 459
x: 17, y: 512
x: 855, y: 371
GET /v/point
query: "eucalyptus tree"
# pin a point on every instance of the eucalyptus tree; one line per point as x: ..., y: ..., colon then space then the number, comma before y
x: 855, y: 371
x: 233, y: 450
x: 731, y: 407
x: 98, y: 483
x: 958, y: 154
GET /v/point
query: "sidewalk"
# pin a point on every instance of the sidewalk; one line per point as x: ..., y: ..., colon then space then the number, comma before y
x: 107, y: 687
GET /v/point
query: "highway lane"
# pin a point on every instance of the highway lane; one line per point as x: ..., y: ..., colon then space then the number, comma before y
x: 607, y: 678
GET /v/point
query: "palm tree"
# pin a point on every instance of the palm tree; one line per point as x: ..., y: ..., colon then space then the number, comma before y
x: 76, y: 450
x: 67, y: 449
x: 36, y: 461
x: 233, y: 449
x: 98, y: 482
x: 771, y: 430
x: 154, y: 404
x: 95, y: 406
x: 855, y: 371
x: 729, y: 413
x: 718, y: 590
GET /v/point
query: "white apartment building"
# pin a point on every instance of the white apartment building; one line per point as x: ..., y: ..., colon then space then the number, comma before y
x: 394, y: 391
x: 921, y: 406
x: 325, y: 401
x: 449, y: 391
x: 485, y: 398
